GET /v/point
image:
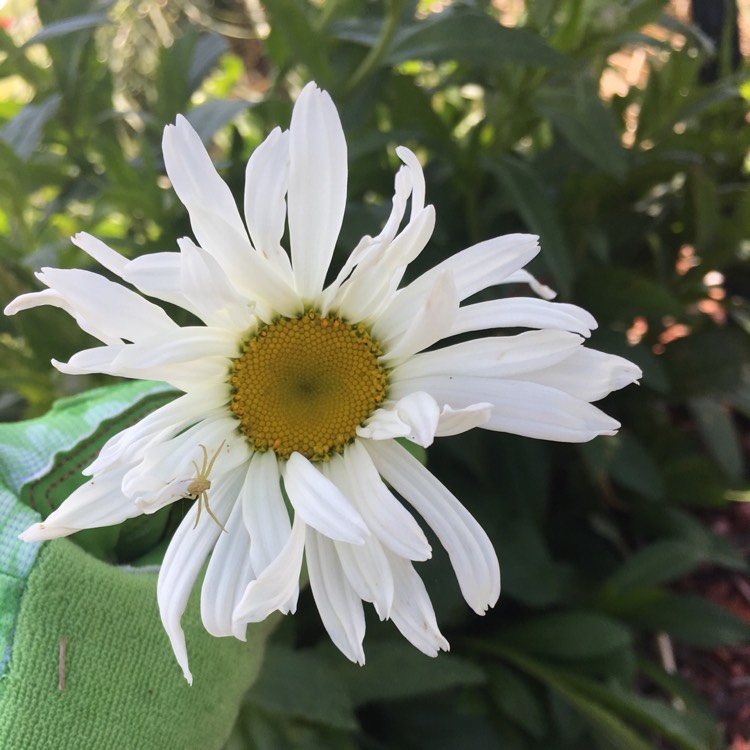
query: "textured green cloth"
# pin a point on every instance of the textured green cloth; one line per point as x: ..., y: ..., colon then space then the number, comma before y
x: 85, y: 662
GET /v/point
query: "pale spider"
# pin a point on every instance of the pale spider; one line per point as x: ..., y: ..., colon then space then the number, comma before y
x: 199, y: 487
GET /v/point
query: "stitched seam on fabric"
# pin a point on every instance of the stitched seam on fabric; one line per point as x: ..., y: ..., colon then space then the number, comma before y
x: 78, y: 454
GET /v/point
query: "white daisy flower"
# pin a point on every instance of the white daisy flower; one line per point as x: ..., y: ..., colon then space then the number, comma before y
x: 294, y: 392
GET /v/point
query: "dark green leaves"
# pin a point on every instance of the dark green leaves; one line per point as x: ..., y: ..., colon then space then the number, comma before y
x: 473, y: 38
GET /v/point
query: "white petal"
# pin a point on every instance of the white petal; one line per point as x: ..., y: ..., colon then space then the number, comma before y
x: 414, y: 416
x: 339, y: 606
x: 204, y: 283
x: 365, y: 566
x: 408, y: 178
x: 216, y: 221
x: 183, y: 345
x: 229, y: 569
x: 158, y: 275
x: 588, y: 374
x: 185, y: 376
x: 320, y: 503
x: 402, y: 187
x: 101, y: 307
x: 266, y: 180
x: 172, y: 461
x: 278, y: 585
x: 417, y: 178
x: 368, y: 247
x: 384, y: 515
x: 429, y: 322
x: 498, y: 356
x: 412, y: 611
x: 479, y: 267
x: 519, y: 407
x: 197, y: 184
x: 46, y: 297
x: 455, y: 421
x: 317, y: 187
x: 369, y: 572
x: 523, y: 312
x: 522, y: 276
x: 372, y: 284
x: 165, y: 422
x: 100, y: 252
x: 182, y: 562
x: 468, y: 547
x: 264, y: 511
x: 99, y: 502
x: 197, y: 353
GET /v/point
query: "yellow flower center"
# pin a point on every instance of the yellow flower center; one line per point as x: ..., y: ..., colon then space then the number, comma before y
x: 305, y: 384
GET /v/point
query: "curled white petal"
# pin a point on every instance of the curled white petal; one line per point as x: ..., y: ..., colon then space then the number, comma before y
x: 183, y: 561
x: 520, y: 407
x: 276, y: 588
x: 415, y: 416
x: 263, y: 510
x: 98, y: 502
x: 339, y: 605
x: 321, y: 503
x: 229, y: 570
x: 412, y: 611
x: 384, y: 515
x: 523, y: 312
x: 588, y: 374
x: 455, y: 421
x: 468, y: 546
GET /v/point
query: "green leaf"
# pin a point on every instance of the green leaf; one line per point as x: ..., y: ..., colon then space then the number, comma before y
x: 684, y: 526
x: 537, y: 205
x: 661, y: 562
x: 707, y: 362
x: 692, y: 620
x: 24, y: 132
x: 573, y: 105
x: 694, y: 480
x: 417, y: 674
x: 687, y: 731
x: 301, y: 685
x: 205, y: 54
x: 291, y: 22
x: 625, y: 460
x: 212, y: 116
x: 617, y: 732
x: 68, y: 26
x: 257, y: 729
x: 530, y: 574
x: 568, y: 635
x: 470, y: 37
x: 608, y: 707
x: 619, y: 294
x: 719, y: 433
x: 515, y: 698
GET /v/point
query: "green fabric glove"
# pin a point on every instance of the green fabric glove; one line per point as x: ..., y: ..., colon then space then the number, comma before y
x: 84, y: 661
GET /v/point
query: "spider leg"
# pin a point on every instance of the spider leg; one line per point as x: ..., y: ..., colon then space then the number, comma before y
x: 211, y: 513
x: 200, y: 506
x: 215, y: 456
x: 203, y: 471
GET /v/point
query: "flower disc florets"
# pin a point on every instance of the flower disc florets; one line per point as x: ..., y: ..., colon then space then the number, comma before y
x: 305, y: 384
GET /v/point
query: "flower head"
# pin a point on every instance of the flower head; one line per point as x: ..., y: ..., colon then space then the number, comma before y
x: 294, y: 392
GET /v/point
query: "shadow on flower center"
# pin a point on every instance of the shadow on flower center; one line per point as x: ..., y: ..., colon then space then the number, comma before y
x: 305, y: 384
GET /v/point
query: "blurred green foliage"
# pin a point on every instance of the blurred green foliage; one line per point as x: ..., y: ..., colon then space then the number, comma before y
x: 637, y: 196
